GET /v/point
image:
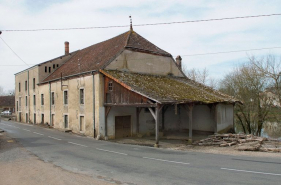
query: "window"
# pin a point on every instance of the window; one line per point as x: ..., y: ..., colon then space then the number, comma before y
x: 33, y: 83
x: 110, y: 86
x: 53, y: 98
x: 81, y: 96
x: 17, y: 105
x: 19, y: 87
x: 45, y: 69
x: 25, y: 86
x: 65, y: 97
x: 42, y: 118
x: 49, y: 69
x: 57, y: 65
x: 19, y: 101
x: 81, y: 123
x: 65, y: 121
x: 34, y: 118
x: 26, y: 101
x: 34, y: 100
x: 42, y: 99
x: 54, y: 66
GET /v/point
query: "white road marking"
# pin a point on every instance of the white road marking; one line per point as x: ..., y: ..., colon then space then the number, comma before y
x: 265, y: 173
x: 17, y: 127
x: 111, y: 151
x: 165, y: 160
x: 78, y: 144
x: 78, y: 136
x: 26, y: 130
x: 54, y: 138
x: 38, y: 133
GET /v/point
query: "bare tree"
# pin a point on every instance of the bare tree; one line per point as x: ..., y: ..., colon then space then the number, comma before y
x: 201, y: 76
x: 246, y: 83
x: 269, y: 68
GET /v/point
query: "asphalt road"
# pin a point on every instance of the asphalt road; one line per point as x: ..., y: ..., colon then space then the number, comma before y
x: 141, y: 165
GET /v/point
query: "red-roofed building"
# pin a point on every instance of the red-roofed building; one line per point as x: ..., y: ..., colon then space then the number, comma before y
x: 7, y: 103
x: 119, y: 88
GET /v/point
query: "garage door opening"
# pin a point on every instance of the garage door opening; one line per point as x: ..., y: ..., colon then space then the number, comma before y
x: 122, y: 126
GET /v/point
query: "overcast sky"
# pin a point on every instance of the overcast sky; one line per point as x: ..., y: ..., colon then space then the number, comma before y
x: 177, y: 39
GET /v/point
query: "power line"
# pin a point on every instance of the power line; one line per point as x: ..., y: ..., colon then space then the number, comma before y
x: 235, y: 51
x: 14, y: 52
x: 149, y: 24
x: 199, y: 54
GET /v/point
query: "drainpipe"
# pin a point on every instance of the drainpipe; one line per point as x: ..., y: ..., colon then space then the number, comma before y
x: 28, y: 96
x: 50, y: 103
x: 94, y: 121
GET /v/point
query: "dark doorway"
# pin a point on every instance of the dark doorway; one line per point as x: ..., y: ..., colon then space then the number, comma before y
x: 122, y: 126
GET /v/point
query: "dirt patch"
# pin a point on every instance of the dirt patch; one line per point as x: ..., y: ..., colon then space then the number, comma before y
x: 18, y: 166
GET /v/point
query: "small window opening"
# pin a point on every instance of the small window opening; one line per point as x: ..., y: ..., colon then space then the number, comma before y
x: 45, y: 69
x: 33, y: 83
x: 110, y: 86
x: 54, y: 66
x: 49, y: 69
x: 57, y: 65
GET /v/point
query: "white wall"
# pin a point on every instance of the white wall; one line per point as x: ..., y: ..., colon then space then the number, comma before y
x: 224, y: 116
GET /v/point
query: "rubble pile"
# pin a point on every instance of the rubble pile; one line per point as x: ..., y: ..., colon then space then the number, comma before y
x: 242, y: 141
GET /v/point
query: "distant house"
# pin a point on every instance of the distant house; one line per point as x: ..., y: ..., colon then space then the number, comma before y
x: 118, y: 88
x: 270, y: 97
x: 7, y: 103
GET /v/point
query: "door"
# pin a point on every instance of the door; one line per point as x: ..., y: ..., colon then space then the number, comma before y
x: 122, y: 126
x: 65, y: 121
x: 20, y: 117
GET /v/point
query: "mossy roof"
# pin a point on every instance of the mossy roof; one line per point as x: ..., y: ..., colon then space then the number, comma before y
x: 168, y: 89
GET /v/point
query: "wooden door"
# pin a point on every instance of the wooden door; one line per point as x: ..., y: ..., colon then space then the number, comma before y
x: 122, y: 126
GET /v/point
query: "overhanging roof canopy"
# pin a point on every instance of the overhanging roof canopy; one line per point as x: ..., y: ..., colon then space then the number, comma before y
x: 168, y: 89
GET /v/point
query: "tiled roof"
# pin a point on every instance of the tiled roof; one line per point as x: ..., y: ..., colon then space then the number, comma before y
x: 168, y: 89
x: 97, y: 56
x: 7, y: 101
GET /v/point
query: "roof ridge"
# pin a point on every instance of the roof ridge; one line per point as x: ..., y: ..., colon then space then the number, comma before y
x: 128, y: 38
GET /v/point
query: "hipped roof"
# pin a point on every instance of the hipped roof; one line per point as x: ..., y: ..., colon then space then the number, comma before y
x: 99, y: 55
x: 168, y: 89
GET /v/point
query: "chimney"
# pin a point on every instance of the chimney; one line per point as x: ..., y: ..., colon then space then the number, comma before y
x: 66, y: 47
x: 178, y: 61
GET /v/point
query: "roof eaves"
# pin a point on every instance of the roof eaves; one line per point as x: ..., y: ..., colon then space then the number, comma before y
x: 65, y: 77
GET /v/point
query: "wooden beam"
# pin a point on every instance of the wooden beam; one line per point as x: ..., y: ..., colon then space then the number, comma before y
x: 138, y: 110
x: 157, y: 126
x: 130, y: 105
x: 152, y: 112
x: 157, y: 120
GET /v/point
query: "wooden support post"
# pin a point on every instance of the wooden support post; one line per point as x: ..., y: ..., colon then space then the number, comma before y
x: 107, y: 110
x: 157, y: 126
x: 163, y: 117
x: 190, y: 108
x: 138, y: 119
